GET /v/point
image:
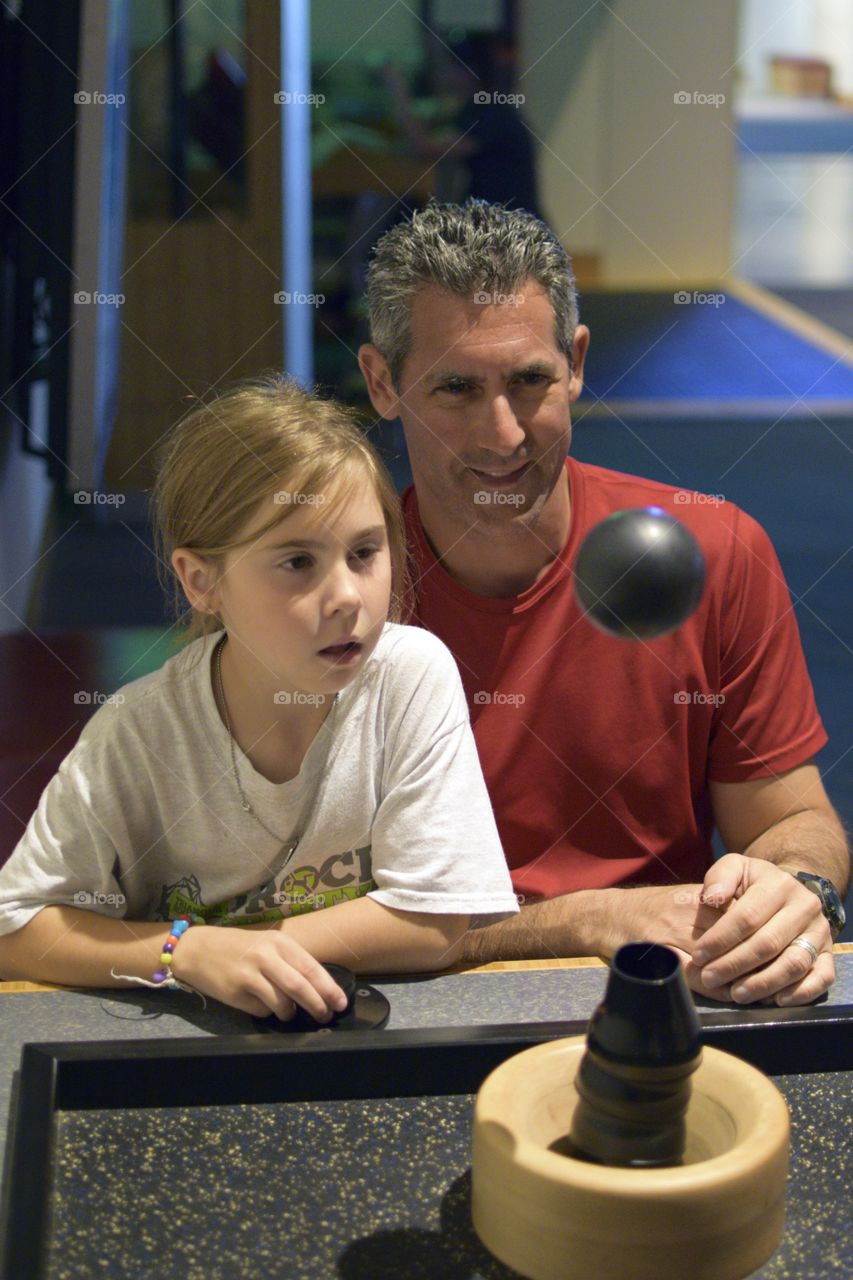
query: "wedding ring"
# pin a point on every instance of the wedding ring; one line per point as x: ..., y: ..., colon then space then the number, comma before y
x: 806, y: 946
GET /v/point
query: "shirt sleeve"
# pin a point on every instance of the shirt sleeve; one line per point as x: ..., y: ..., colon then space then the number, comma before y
x: 767, y: 721
x: 435, y: 845
x: 66, y: 856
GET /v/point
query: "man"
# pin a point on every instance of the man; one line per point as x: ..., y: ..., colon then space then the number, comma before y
x: 608, y: 762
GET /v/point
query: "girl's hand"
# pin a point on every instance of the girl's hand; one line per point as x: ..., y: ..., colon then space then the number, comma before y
x: 257, y: 971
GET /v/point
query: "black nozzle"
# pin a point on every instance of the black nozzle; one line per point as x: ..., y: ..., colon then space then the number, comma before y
x: 634, y: 1079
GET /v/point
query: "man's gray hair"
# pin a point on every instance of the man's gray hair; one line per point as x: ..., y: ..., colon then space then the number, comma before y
x: 467, y: 250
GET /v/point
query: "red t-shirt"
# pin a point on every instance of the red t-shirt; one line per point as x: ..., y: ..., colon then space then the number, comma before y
x: 596, y: 750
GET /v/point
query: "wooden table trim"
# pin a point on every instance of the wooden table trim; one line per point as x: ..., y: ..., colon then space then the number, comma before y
x: 20, y: 987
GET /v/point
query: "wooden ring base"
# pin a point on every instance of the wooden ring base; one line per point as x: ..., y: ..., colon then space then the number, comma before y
x: 718, y: 1216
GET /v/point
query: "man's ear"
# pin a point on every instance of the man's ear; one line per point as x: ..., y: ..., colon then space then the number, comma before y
x: 580, y: 345
x: 380, y: 388
x: 199, y: 579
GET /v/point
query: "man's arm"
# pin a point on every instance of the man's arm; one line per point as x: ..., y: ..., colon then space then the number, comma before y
x: 596, y: 922
x: 782, y: 823
x: 786, y: 819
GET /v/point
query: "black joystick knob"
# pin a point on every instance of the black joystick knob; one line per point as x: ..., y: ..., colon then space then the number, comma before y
x: 634, y: 1079
x: 345, y: 978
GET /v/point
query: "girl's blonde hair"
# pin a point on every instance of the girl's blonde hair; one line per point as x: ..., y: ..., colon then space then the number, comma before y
x: 261, y: 438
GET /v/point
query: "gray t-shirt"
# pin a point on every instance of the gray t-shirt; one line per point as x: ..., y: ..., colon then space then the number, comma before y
x: 144, y: 821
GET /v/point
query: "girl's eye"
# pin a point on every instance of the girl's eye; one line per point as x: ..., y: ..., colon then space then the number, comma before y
x: 296, y: 563
x: 365, y: 554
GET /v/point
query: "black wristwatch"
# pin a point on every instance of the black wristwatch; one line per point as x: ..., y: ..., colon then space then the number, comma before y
x: 830, y: 899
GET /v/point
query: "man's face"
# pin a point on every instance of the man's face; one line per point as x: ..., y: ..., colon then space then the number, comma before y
x: 485, y: 396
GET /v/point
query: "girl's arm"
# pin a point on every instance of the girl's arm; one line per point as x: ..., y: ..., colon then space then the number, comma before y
x: 361, y: 935
x: 252, y: 968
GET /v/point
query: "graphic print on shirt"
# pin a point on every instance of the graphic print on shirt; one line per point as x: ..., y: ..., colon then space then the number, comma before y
x: 289, y: 892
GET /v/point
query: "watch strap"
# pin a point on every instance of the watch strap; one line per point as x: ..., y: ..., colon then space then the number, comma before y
x: 830, y: 899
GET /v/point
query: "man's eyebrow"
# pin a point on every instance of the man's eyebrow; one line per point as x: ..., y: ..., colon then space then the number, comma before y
x: 532, y: 366
x: 311, y: 544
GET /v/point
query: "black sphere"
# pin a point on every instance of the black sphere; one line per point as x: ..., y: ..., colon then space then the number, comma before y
x: 639, y: 573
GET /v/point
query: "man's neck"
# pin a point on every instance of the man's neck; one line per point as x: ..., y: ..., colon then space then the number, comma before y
x: 501, y: 562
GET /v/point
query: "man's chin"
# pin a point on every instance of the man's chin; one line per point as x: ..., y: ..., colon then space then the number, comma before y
x: 502, y: 503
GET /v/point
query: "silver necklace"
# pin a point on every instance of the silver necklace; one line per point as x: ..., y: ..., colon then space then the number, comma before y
x: 288, y: 846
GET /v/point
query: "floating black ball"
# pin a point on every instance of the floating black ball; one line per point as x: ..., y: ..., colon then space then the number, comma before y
x: 639, y: 573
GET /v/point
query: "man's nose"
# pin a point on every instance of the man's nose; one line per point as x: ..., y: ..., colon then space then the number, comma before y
x: 500, y: 432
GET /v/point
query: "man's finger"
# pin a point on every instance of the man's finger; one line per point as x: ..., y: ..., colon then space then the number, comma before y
x: 742, y: 921
x: 792, y: 974
x: 723, y: 880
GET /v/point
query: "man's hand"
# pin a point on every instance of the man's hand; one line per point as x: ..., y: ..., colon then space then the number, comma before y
x: 259, y: 972
x: 748, y: 950
x: 677, y: 917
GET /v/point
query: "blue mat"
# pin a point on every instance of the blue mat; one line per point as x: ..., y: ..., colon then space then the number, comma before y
x: 708, y: 353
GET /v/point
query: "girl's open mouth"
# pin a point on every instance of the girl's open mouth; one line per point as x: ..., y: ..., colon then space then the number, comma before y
x: 342, y: 652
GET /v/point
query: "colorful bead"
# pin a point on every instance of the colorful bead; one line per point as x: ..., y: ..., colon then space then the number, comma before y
x: 164, y: 976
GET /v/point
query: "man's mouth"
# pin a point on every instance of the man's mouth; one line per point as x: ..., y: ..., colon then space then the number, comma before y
x: 499, y: 479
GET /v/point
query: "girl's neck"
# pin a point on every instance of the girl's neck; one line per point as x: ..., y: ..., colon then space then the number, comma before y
x: 275, y: 736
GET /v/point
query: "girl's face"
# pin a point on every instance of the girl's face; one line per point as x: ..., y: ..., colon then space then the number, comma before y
x: 305, y: 604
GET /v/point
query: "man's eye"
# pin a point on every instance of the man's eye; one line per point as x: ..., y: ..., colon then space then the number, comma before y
x: 455, y: 387
x: 534, y: 379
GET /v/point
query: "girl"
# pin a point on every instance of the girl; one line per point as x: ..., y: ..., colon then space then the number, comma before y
x: 304, y: 768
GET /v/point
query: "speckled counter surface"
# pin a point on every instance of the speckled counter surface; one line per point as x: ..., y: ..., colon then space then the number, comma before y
x: 353, y: 1190
x: 346, y: 1190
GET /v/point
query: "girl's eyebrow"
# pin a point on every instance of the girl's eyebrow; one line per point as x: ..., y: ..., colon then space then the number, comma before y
x: 312, y: 545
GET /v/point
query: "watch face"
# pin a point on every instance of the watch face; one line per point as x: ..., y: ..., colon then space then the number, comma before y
x: 833, y: 907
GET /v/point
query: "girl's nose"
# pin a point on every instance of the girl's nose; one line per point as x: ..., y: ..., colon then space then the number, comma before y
x: 342, y: 589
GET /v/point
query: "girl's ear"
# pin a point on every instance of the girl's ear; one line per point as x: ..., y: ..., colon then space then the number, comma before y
x: 199, y: 579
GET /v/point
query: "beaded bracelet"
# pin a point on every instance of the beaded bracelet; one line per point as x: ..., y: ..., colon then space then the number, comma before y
x: 163, y: 977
